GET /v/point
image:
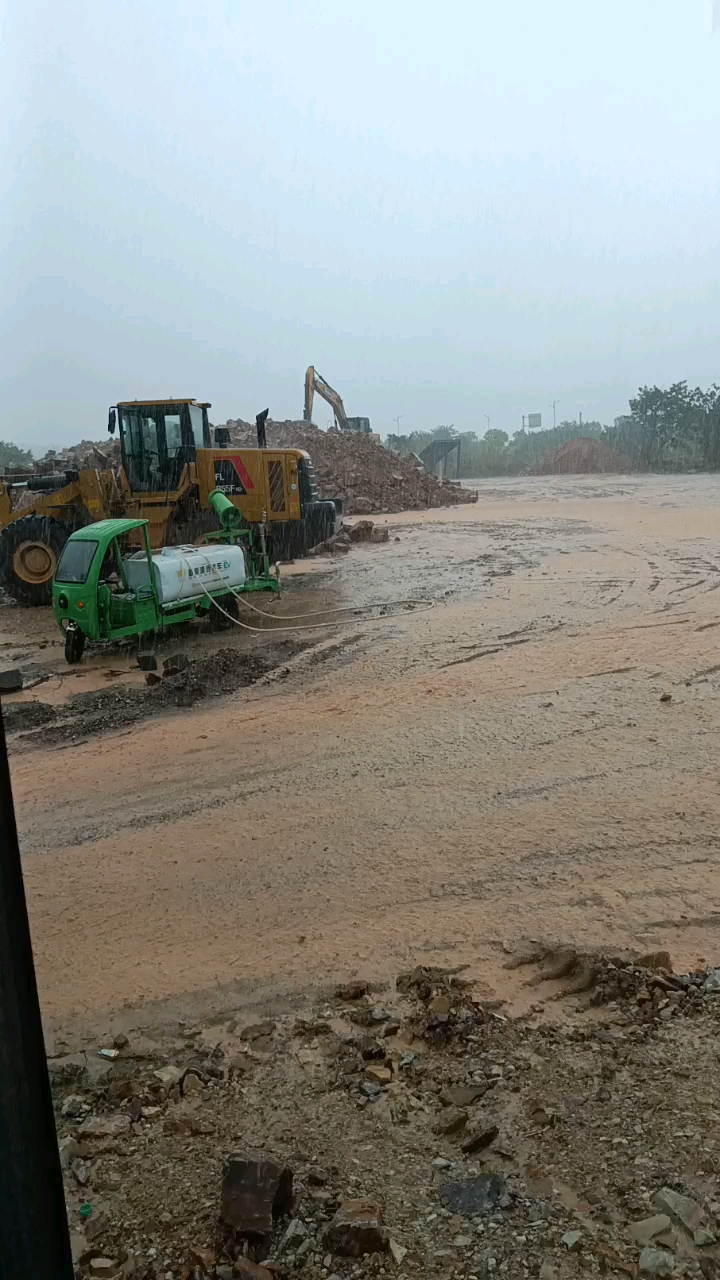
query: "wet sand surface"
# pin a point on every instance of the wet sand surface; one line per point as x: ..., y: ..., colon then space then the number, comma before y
x: 413, y: 791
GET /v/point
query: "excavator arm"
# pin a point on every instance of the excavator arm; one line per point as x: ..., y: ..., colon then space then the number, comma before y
x: 313, y: 383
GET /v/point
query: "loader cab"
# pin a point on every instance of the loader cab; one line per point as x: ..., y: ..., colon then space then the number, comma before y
x: 158, y: 439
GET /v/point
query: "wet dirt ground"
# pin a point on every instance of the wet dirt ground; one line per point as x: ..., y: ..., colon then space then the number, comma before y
x: 536, y: 756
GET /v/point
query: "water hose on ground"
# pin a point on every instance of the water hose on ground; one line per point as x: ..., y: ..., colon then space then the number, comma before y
x: 419, y: 606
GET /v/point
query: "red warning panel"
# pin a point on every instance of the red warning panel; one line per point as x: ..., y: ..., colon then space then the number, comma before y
x: 232, y: 476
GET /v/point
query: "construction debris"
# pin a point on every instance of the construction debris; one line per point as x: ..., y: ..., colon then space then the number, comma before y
x: 350, y: 466
x: 599, y: 1122
x: 361, y: 531
x: 256, y: 1192
x: 357, y: 1229
x: 357, y: 469
x: 101, y: 454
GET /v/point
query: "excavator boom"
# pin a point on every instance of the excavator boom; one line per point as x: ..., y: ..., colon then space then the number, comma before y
x: 314, y: 382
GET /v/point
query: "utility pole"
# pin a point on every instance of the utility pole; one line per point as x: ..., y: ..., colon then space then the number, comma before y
x: 523, y: 418
x: 581, y: 417
x: 34, y: 1238
x: 397, y: 421
x: 486, y: 416
x: 552, y: 406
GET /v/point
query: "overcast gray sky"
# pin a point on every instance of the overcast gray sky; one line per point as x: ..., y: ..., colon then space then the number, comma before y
x: 450, y: 209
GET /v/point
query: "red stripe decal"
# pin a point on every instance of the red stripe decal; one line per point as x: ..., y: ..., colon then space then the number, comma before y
x: 242, y: 471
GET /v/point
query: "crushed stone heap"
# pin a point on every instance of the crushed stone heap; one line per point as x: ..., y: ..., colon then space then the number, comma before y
x: 357, y: 469
x: 100, y: 454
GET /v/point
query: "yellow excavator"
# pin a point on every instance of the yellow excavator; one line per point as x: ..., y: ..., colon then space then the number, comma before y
x: 315, y: 383
x: 169, y: 468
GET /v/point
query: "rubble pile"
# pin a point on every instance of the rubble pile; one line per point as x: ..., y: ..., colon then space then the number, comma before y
x: 583, y: 456
x: 353, y: 467
x: 351, y: 1141
x: 347, y: 534
x: 357, y: 469
x: 101, y: 454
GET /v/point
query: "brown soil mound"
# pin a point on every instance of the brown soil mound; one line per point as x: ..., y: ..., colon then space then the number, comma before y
x: 582, y: 456
x: 357, y: 469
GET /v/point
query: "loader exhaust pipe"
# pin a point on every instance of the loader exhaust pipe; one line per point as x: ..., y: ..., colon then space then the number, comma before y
x: 260, y: 421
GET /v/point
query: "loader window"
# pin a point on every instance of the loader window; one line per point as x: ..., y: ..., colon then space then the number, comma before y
x: 141, y: 449
x: 75, y: 561
x: 196, y: 422
x: 174, y: 447
x: 156, y: 442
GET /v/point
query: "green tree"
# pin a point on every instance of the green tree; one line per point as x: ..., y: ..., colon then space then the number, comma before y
x: 677, y: 429
x: 11, y: 455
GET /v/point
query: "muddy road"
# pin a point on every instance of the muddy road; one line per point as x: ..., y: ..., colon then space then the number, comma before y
x: 536, y: 756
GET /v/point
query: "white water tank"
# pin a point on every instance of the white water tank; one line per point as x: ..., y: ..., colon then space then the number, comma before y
x: 186, y: 573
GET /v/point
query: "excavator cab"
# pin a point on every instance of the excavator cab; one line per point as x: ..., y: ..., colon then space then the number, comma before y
x: 158, y: 440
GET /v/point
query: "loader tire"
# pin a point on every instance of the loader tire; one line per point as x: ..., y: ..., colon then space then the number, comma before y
x: 29, y: 551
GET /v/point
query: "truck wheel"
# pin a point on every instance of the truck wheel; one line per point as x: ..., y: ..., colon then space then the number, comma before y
x: 29, y: 551
x: 74, y: 644
x: 218, y: 621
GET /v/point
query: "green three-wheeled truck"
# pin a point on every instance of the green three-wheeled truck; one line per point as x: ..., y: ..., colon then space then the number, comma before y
x: 103, y: 591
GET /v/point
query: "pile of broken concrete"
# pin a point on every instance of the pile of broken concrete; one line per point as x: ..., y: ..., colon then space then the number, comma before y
x: 357, y: 469
x: 361, y: 531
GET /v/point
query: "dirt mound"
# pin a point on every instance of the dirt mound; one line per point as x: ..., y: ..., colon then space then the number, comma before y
x: 357, y: 469
x: 84, y: 714
x: 580, y: 457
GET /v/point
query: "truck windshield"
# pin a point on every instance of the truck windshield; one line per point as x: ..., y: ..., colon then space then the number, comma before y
x: 76, y: 560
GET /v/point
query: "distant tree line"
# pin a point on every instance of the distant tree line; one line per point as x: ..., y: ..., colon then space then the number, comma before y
x: 13, y: 456
x: 677, y: 429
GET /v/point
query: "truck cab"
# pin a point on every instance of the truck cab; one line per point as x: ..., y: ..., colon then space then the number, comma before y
x: 92, y: 597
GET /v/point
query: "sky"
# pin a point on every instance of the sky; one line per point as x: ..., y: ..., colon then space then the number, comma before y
x: 456, y: 212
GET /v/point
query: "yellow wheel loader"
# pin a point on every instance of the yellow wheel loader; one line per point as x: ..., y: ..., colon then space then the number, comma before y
x: 169, y: 468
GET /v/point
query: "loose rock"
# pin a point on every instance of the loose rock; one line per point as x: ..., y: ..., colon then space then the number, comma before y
x: 476, y: 1197
x: 255, y: 1191
x: 450, y: 1122
x: 681, y: 1208
x: 480, y: 1140
x: 643, y: 1233
x: 357, y: 1229
x: 656, y: 960
x: 459, y: 1095
x: 103, y: 1127
x: 252, y: 1270
x: 656, y: 1262
x: 352, y: 990
x: 169, y: 1075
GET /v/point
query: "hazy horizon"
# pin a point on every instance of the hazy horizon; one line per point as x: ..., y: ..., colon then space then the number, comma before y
x: 449, y: 217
